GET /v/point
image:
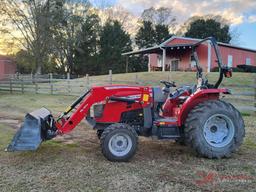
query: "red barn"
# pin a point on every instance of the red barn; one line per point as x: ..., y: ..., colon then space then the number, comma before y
x: 7, y: 66
x: 175, y: 54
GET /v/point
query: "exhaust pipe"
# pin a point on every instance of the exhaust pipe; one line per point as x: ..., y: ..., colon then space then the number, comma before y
x: 38, y: 126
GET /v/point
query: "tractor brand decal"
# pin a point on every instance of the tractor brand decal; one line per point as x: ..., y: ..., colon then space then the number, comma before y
x: 126, y: 97
x: 120, y: 87
x: 133, y: 97
x: 83, y: 109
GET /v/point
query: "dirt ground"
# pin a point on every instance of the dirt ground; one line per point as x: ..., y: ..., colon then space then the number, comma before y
x: 74, y: 162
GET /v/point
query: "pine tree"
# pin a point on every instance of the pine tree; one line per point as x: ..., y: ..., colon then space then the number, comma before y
x: 113, y: 42
x: 145, y: 36
x: 86, y: 53
x: 201, y: 28
x: 161, y: 33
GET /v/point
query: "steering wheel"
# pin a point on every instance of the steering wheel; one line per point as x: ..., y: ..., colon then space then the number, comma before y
x: 168, y: 84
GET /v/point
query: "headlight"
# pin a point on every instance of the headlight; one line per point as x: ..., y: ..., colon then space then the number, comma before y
x: 96, y: 110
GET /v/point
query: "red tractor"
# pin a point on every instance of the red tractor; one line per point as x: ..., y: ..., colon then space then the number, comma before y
x: 195, y: 115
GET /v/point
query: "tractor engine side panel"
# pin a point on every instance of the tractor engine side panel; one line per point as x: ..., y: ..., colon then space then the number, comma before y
x: 113, y: 111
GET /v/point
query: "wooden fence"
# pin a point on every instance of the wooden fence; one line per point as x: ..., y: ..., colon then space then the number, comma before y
x: 64, y: 85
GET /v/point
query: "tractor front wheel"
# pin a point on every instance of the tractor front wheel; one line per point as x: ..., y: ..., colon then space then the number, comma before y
x: 119, y: 142
x: 214, y: 129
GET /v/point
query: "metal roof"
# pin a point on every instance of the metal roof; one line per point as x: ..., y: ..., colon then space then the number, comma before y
x: 144, y: 51
x: 157, y: 49
x: 219, y: 43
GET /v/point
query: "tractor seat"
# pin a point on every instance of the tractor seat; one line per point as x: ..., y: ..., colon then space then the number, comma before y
x: 181, y: 90
x: 182, y: 99
x: 158, y: 95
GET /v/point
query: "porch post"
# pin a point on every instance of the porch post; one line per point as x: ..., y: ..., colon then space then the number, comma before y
x: 149, y: 63
x: 164, y: 58
x: 209, y: 57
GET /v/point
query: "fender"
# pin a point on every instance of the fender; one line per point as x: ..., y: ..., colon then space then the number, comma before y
x: 196, y: 98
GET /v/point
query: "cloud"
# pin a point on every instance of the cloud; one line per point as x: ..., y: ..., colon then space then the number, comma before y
x: 252, y: 19
x: 235, y: 11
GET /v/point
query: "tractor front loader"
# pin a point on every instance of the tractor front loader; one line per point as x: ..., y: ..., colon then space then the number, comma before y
x: 195, y: 115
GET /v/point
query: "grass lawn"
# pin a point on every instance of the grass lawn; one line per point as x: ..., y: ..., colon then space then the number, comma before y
x: 74, y: 162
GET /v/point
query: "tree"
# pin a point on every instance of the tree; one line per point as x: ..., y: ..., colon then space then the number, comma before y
x: 161, y: 16
x: 145, y: 36
x: 149, y: 15
x: 153, y: 31
x: 113, y: 42
x: 25, y: 62
x: 155, y: 27
x: 138, y: 63
x: 161, y: 33
x: 31, y: 20
x: 66, y: 34
x: 201, y: 28
x: 87, y: 51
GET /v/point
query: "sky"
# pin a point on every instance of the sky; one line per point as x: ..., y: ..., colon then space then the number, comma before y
x: 240, y: 13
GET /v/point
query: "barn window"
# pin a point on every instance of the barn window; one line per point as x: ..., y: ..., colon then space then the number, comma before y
x: 248, y: 61
x: 230, y: 61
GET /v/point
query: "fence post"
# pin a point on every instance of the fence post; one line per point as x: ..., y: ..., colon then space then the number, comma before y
x: 36, y: 85
x: 87, y: 81
x: 51, y: 85
x: 136, y: 79
x: 22, y: 86
x: 10, y: 85
x: 110, y: 77
x: 68, y: 81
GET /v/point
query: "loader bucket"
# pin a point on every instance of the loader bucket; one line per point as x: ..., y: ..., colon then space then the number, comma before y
x: 31, y: 133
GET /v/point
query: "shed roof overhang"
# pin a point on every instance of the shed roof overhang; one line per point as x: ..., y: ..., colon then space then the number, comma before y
x: 159, y: 49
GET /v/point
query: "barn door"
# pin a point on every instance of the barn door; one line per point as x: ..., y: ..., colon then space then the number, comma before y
x: 175, y: 64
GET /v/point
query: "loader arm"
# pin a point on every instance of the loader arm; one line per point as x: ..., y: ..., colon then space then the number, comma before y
x: 82, y: 106
x: 95, y: 95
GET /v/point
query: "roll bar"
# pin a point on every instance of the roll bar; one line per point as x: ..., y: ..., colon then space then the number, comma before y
x: 224, y: 69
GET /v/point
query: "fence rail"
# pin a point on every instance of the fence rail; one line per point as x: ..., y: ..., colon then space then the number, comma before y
x: 50, y: 84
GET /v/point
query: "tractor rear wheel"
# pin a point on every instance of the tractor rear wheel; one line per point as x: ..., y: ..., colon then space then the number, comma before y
x: 119, y: 142
x: 214, y: 129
